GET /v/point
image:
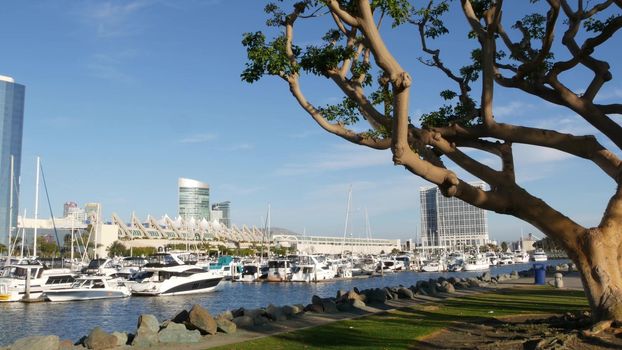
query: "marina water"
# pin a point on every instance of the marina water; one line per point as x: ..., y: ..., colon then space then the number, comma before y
x: 72, y: 320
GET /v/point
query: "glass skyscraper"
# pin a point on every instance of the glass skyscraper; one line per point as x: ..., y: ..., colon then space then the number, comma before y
x: 11, y: 126
x: 225, y: 209
x: 193, y: 199
x: 450, y: 223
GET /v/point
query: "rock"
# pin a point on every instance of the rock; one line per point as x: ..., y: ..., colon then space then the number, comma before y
x: 244, y: 321
x: 356, y: 290
x: 145, y: 338
x: 65, y: 344
x: 486, y: 276
x: 453, y: 280
x: 461, y: 285
x: 177, y: 333
x: 181, y: 317
x: 329, y: 306
x: 275, y: 313
x: 238, y: 312
x: 260, y: 320
x: 358, y: 304
x: 316, y: 300
x: 514, y: 275
x: 254, y: 312
x: 472, y: 282
x: 314, y: 308
x: 290, y: 310
x: 121, y: 338
x: 226, y: 326
x: 148, y: 322
x: 228, y: 315
x: 37, y: 343
x: 99, y: 339
x: 352, y: 295
x: 301, y: 308
x: 376, y: 295
x: 432, y: 288
x: 340, y: 293
x: 405, y: 293
x: 201, y: 319
x: 447, y: 287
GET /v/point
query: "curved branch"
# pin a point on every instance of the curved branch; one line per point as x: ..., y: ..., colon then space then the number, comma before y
x: 343, y: 15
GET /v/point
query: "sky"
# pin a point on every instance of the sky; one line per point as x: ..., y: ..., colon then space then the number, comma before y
x: 125, y: 97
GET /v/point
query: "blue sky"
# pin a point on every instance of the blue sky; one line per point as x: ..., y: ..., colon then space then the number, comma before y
x: 124, y: 97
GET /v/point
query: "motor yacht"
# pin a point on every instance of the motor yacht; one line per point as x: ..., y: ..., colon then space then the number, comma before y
x: 251, y: 271
x: 279, y: 270
x: 166, y: 274
x: 432, y: 266
x: 477, y: 262
x: 506, y: 259
x: 539, y: 255
x: 311, y: 268
x: 521, y: 257
x: 90, y: 288
x: 13, y: 280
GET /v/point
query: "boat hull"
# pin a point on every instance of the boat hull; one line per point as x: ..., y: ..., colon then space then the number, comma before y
x: 190, y: 287
x: 85, y: 294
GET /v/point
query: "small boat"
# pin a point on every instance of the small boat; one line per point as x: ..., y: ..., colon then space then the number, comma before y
x: 432, y: 266
x: 90, y: 288
x: 279, y: 270
x: 521, y: 257
x: 312, y: 268
x: 250, y: 272
x: 539, y: 255
x: 506, y: 259
x: 477, y: 262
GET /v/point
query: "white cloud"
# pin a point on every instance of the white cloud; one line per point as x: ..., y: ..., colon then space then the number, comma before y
x: 338, y: 158
x: 113, y: 19
x: 198, y: 138
x: 511, y: 109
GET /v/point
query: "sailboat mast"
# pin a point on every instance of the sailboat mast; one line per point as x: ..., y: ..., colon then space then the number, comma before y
x: 10, y: 250
x: 345, y: 229
x: 268, y: 233
x: 34, y: 249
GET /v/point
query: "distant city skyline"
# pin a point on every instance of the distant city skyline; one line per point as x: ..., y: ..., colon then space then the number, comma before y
x: 120, y: 106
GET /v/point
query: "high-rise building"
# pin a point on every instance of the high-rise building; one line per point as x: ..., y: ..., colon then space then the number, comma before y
x: 11, y: 127
x: 224, y: 208
x: 73, y: 212
x: 449, y: 223
x: 193, y: 199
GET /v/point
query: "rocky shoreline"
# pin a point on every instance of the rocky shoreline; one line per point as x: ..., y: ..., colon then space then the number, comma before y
x: 198, y: 326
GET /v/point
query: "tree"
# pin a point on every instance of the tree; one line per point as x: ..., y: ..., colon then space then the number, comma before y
x: 117, y: 249
x: 504, y: 246
x: 3, y: 248
x: 377, y: 91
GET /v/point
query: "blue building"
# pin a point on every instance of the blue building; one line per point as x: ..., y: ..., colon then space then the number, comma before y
x: 11, y: 126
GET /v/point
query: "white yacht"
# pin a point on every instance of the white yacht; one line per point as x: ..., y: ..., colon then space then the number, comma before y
x: 166, y: 274
x: 279, y: 270
x: 493, y: 258
x: 13, y: 280
x: 521, y: 257
x: 432, y: 266
x: 506, y: 259
x: 476, y: 262
x: 251, y: 271
x: 311, y: 268
x: 90, y: 288
x: 539, y: 255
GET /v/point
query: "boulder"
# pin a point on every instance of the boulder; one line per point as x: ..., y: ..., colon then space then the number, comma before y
x: 453, y: 280
x: 237, y: 312
x: 340, y: 293
x: 376, y: 295
x: 201, y: 319
x: 145, y: 338
x: 99, y: 339
x: 314, y: 308
x: 254, y: 312
x: 329, y: 306
x: 358, y: 304
x: 356, y: 290
x: 260, y: 320
x: 121, y: 338
x: 149, y: 323
x: 226, y: 326
x: 514, y: 275
x: 37, y: 343
x: 275, y: 313
x: 228, y: 315
x: 405, y: 293
x: 316, y: 300
x: 244, y: 321
x: 486, y: 276
x: 301, y: 308
x: 177, y: 333
x: 65, y: 344
x: 461, y: 285
x: 447, y: 287
x: 291, y: 310
x: 181, y: 317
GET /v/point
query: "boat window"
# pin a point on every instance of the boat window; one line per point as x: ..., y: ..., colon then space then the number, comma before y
x: 307, y: 270
x: 98, y: 284
x: 249, y: 270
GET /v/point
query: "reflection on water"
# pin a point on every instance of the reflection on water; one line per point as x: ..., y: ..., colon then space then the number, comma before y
x: 72, y: 320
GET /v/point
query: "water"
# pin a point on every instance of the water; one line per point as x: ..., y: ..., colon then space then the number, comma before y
x: 72, y: 320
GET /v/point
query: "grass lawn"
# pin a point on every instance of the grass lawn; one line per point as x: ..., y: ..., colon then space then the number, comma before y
x: 398, y: 329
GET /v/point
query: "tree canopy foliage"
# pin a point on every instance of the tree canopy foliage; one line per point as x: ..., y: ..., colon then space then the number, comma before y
x: 541, y: 53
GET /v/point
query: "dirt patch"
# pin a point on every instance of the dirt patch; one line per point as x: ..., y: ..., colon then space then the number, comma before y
x: 525, y: 332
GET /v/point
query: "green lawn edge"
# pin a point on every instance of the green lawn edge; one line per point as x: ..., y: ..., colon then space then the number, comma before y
x: 399, y: 329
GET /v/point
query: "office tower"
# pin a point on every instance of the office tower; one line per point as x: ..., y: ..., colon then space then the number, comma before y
x: 11, y: 126
x: 224, y: 209
x: 193, y: 199
x: 450, y: 223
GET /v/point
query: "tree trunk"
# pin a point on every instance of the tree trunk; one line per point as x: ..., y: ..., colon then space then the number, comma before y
x: 598, y: 258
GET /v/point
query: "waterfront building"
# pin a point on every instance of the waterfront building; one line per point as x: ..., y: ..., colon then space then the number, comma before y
x: 222, y: 210
x: 71, y: 211
x: 336, y: 245
x: 11, y: 131
x: 450, y: 223
x: 193, y: 199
